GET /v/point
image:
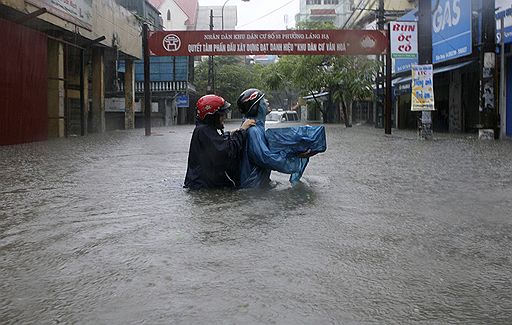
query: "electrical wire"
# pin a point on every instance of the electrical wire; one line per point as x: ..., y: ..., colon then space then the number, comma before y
x: 354, y: 11
x: 269, y: 13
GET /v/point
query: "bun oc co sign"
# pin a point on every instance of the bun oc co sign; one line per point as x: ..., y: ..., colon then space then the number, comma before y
x: 404, y: 39
x: 282, y: 42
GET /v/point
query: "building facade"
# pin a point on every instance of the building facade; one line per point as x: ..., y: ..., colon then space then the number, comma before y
x: 171, y: 78
x: 457, y: 60
x: 333, y: 11
x: 504, y: 22
x: 54, y: 72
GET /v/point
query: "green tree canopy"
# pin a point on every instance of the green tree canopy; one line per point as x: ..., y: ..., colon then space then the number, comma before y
x: 346, y: 78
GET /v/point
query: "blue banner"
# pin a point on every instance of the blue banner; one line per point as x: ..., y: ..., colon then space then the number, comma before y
x: 504, y: 10
x: 451, y: 32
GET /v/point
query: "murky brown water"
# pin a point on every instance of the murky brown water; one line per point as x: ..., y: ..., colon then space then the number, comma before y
x: 98, y: 230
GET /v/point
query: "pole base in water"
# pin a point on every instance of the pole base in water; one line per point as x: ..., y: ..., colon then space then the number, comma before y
x: 485, y: 134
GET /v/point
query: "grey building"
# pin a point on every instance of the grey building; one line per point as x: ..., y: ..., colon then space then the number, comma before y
x: 230, y: 17
x: 335, y: 11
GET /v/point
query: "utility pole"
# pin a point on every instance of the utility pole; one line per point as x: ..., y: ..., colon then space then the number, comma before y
x: 503, y: 91
x: 425, y: 57
x: 210, y: 88
x: 147, y: 89
x: 389, y: 87
x: 379, y: 84
x: 488, y: 112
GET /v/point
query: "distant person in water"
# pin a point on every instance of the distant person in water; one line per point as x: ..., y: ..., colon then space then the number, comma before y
x: 214, y: 155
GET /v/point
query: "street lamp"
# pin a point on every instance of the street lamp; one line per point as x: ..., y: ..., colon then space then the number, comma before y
x: 222, y: 12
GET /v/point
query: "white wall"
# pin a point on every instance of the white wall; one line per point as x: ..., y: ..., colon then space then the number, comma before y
x: 178, y: 17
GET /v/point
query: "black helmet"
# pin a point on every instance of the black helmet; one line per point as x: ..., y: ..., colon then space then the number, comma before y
x: 249, y: 99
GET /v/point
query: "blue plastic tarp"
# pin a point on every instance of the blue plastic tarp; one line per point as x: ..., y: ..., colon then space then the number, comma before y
x: 297, y: 139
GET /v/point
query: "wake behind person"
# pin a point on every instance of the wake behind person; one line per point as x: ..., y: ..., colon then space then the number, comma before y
x: 214, y: 155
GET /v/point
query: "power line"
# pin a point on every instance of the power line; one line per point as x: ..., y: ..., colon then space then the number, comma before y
x: 354, y: 11
x: 268, y: 14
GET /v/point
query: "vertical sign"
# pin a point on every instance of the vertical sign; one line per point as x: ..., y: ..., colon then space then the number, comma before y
x: 451, y: 32
x: 422, y: 88
x: 404, y: 39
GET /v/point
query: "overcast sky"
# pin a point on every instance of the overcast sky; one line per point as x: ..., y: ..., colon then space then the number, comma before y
x: 261, y: 14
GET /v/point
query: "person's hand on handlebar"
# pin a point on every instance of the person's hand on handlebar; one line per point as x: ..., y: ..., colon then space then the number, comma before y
x: 306, y: 154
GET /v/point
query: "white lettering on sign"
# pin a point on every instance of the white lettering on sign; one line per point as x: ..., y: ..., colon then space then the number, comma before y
x: 449, y: 15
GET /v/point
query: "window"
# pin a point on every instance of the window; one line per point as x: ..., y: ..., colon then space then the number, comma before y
x: 313, y: 2
x: 331, y: 2
x: 168, y: 15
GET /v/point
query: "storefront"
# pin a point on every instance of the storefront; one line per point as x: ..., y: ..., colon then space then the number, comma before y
x: 456, y: 71
x: 504, y: 13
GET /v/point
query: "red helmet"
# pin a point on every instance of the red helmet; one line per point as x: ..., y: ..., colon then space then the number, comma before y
x: 210, y: 104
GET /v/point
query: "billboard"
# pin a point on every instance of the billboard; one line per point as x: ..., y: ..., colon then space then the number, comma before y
x: 282, y: 42
x: 451, y: 32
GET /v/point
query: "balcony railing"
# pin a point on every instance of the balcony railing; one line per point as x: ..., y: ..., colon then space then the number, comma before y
x: 162, y: 86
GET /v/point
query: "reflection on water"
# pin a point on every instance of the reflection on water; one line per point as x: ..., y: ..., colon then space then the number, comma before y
x: 225, y: 215
x: 381, y: 230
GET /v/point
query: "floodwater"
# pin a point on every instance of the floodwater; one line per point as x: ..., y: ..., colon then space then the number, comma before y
x: 383, y: 229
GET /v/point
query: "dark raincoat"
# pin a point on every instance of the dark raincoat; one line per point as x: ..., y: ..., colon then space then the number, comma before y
x: 214, y: 158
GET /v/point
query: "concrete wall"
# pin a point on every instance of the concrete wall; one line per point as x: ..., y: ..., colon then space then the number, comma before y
x: 118, y: 25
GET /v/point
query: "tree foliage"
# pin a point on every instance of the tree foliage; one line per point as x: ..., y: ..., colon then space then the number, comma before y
x: 346, y: 78
x: 232, y: 76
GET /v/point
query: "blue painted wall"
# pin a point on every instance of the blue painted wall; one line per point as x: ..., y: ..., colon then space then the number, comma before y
x: 162, y: 69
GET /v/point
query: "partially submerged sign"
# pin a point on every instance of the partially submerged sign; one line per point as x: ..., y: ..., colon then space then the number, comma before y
x: 282, y: 42
x: 422, y: 88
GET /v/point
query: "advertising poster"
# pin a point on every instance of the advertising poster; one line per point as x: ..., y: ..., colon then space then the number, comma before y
x: 422, y: 88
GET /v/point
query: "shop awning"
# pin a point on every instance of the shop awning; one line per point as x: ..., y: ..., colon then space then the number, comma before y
x: 447, y: 68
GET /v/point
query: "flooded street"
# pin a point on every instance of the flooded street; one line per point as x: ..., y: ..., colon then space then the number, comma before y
x: 383, y: 229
